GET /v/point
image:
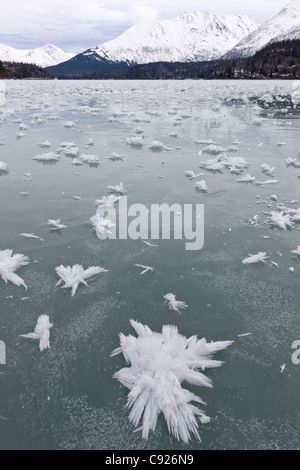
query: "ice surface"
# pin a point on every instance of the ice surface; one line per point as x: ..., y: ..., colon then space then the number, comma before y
x: 158, y: 365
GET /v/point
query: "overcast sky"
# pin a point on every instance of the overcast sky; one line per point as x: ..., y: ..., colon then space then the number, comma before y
x: 76, y: 25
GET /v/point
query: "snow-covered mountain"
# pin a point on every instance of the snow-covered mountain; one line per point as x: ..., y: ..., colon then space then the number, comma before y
x: 201, y: 35
x: 197, y: 36
x: 42, y: 56
x: 285, y: 25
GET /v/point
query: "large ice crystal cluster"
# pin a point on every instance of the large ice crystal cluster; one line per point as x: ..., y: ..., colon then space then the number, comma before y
x: 158, y: 365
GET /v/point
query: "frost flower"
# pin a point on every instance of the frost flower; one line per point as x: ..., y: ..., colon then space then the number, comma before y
x: 158, y: 365
x: 41, y: 332
x: 73, y: 276
x: 174, y: 304
x: 9, y: 263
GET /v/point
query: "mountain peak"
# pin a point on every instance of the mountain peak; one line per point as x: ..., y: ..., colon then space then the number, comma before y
x: 284, y: 25
x: 190, y: 37
x: 197, y: 35
x: 43, y: 56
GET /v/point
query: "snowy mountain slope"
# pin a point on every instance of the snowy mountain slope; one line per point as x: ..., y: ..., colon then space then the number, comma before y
x: 285, y: 25
x: 189, y: 37
x: 42, y: 56
x: 201, y: 35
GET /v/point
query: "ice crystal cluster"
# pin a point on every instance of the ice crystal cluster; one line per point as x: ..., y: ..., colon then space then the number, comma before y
x: 9, y: 263
x: 159, y: 363
x: 41, y: 332
x: 174, y: 304
x: 73, y: 276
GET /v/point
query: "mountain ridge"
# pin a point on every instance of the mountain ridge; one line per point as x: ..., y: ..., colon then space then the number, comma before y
x: 284, y: 25
x: 200, y: 35
x: 44, y: 56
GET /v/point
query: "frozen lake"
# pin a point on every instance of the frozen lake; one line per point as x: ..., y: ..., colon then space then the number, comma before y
x: 66, y: 397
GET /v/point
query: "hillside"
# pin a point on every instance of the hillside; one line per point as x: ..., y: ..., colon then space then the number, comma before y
x: 3, y: 71
x: 21, y: 71
x: 280, y: 60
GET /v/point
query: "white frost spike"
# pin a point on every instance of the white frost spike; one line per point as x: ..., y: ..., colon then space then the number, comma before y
x: 45, y: 144
x: 46, y: 157
x: 192, y: 175
x: 145, y: 268
x: 296, y: 215
x: 68, y: 124
x: 297, y: 251
x: 73, y: 276
x: 281, y: 220
x: 90, y: 159
x: 3, y: 167
x: 115, y: 157
x: 290, y: 161
x: 9, y: 263
x: 72, y: 152
x: 30, y: 235
x: 77, y: 161
x: 259, y: 257
x: 56, y: 224
x: 174, y: 304
x: 261, y: 183
x: 118, y: 188
x: 156, y: 145
x: 107, y: 201
x: 246, y: 179
x: 136, y: 141
x: 101, y: 224
x: 267, y: 169
x: 201, y: 186
x: 158, y: 364
x: 213, y: 149
x: 148, y: 244
x: 212, y: 165
x: 41, y: 332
